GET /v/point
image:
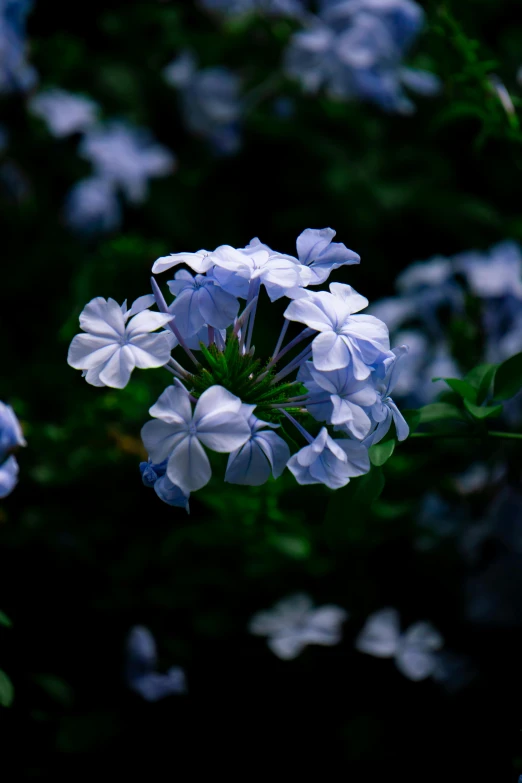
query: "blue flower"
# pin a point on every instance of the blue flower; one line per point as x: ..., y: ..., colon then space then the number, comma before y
x: 140, y: 669
x: 210, y: 100
x: 355, y: 50
x: 200, y: 301
x: 92, y: 206
x: 155, y: 476
x: 63, y: 112
x: 11, y: 438
x: 294, y: 623
x: 264, y: 454
x: 330, y: 462
x: 126, y: 157
x: 16, y: 74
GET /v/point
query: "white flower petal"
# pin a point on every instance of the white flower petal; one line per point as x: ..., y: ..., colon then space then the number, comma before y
x: 189, y: 467
x: 103, y: 318
x: 88, y: 350
x: 117, y: 371
x: 160, y: 439
x: 173, y: 406
x: 150, y: 350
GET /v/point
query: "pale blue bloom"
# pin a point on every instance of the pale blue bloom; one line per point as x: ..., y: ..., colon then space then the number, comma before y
x: 200, y: 301
x: 494, y: 273
x: 200, y: 262
x: 263, y: 454
x: 345, y: 340
x: 11, y: 435
x: 330, y: 462
x: 294, y: 623
x: 92, y: 206
x: 155, y: 476
x: 414, y: 651
x: 141, y: 664
x: 242, y: 7
x: 8, y: 476
x: 384, y: 411
x: 316, y: 251
x: 117, y: 340
x: 278, y: 273
x: 178, y: 434
x: 339, y: 399
x: 210, y: 100
x: 126, y: 157
x: 355, y: 49
x: 16, y: 74
x: 63, y: 112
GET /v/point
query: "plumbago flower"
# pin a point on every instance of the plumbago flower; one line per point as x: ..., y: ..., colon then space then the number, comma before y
x: 415, y: 651
x: 355, y: 48
x: 63, y: 112
x: 210, y: 101
x: 339, y: 368
x: 140, y: 668
x: 11, y: 437
x: 294, y: 623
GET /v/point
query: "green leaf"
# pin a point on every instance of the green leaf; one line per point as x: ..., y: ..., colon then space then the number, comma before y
x: 439, y: 411
x: 381, y: 452
x: 508, y: 379
x: 6, y: 690
x: 462, y: 388
x: 4, y: 620
x: 484, y: 412
x: 475, y: 377
x: 413, y: 418
x: 56, y: 688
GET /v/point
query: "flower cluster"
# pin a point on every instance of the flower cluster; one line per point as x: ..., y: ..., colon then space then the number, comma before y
x: 16, y: 74
x: 243, y: 7
x: 225, y: 400
x: 355, y: 48
x: 210, y: 102
x: 11, y: 438
x: 123, y: 159
x: 435, y: 291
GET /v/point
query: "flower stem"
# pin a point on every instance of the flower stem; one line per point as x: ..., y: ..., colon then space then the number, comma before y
x: 282, y: 336
x: 163, y: 306
x: 464, y: 435
x: 302, y: 430
x: 294, y: 364
x: 301, y: 336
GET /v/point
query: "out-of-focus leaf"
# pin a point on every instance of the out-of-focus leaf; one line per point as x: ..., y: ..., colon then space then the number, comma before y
x: 6, y: 690
x: 484, y: 412
x: 508, y: 378
x: 413, y: 418
x: 381, y: 452
x: 439, y: 411
x: 4, y: 620
x: 462, y: 388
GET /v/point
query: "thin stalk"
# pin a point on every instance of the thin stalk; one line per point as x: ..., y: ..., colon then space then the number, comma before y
x: 251, y: 324
x: 242, y: 318
x: 282, y: 336
x: 178, y: 368
x: 211, y: 335
x: 301, y: 336
x: 294, y: 364
x: 302, y: 430
x: 163, y: 306
x: 464, y: 435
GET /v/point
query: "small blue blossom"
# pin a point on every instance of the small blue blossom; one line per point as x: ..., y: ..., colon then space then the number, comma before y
x: 330, y: 462
x: 16, y: 74
x: 264, y: 454
x: 11, y: 438
x: 113, y: 345
x: 344, y: 339
x: 63, y: 112
x: 178, y: 435
x: 200, y: 301
x: 210, y: 101
x: 294, y: 623
x: 141, y: 664
x: 414, y: 651
x: 126, y: 157
x: 92, y: 206
x: 155, y: 476
x: 355, y: 49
